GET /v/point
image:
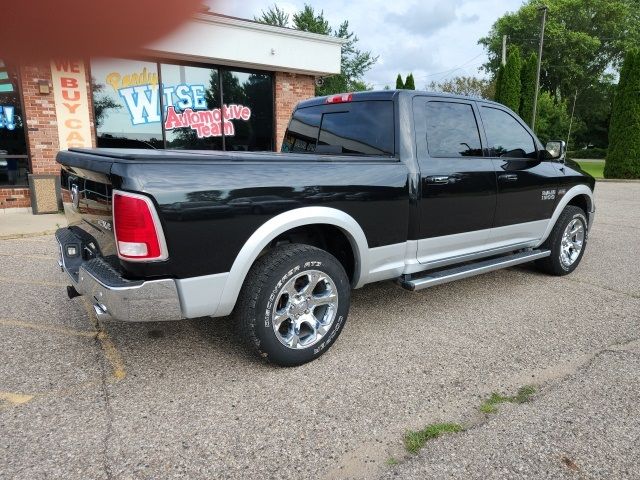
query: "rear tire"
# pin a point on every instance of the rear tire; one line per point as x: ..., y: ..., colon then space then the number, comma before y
x: 293, y: 304
x: 567, y: 242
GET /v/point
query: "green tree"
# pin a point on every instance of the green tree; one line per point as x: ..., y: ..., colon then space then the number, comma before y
x: 310, y: 21
x: 468, y: 86
x: 623, y: 156
x: 399, y: 83
x: 498, y: 81
x: 593, y: 106
x: 273, y: 16
x: 102, y: 101
x: 528, y: 87
x: 410, y: 83
x: 354, y: 63
x: 552, y: 119
x: 584, y: 40
x: 510, y: 81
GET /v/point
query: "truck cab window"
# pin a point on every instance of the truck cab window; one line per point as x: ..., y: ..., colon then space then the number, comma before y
x: 452, y: 130
x: 506, y: 136
x: 366, y: 128
x: 359, y: 128
x: 302, y: 133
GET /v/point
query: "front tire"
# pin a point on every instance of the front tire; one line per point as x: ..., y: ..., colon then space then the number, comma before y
x: 567, y: 242
x: 293, y: 304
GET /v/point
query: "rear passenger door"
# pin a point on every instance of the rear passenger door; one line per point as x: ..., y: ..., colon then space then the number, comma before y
x: 526, y: 185
x: 458, y: 184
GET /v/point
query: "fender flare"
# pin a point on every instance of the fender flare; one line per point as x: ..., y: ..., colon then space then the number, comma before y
x: 281, y: 223
x: 572, y: 193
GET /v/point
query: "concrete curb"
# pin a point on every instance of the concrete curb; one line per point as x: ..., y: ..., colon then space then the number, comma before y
x: 618, y: 180
x: 27, y: 235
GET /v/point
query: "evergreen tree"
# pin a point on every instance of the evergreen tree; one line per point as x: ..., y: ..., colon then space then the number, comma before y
x: 528, y: 87
x: 410, y: 84
x: 308, y: 21
x: 273, y: 16
x: 623, y: 156
x: 510, y: 88
x: 499, y: 76
x: 399, y: 83
x: 354, y: 63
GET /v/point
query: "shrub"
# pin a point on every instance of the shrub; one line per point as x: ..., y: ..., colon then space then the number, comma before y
x: 623, y: 156
x: 528, y: 87
x: 410, y: 84
x: 590, y: 153
x: 510, y: 88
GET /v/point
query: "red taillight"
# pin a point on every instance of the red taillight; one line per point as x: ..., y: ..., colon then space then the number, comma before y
x: 137, y: 229
x: 341, y: 98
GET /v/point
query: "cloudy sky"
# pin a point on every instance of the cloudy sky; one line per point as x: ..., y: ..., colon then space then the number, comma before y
x: 434, y: 39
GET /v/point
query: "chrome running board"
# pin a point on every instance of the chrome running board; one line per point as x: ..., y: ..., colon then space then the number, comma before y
x: 470, y: 270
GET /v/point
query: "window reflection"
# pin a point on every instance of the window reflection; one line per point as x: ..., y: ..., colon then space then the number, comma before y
x: 452, y: 130
x: 363, y: 128
x: 14, y: 163
x: 253, y: 130
x: 126, y: 103
x: 189, y: 92
x: 128, y: 100
x: 506, y: 136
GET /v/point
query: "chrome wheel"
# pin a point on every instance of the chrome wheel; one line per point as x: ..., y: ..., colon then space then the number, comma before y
x: 572, y: 242
x: 305, y: 309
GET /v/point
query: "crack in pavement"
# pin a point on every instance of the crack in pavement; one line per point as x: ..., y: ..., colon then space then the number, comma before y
x: 585, y: 282
x: 112, y: 357
x: 370, y: 458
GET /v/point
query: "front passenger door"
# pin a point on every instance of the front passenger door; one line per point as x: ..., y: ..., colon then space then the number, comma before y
x: 526, y: 185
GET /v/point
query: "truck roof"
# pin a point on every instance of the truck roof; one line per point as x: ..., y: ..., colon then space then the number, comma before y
x: 389, y: 95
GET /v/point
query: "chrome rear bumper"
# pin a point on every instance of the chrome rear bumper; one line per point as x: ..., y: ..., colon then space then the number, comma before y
x: 112, y: 295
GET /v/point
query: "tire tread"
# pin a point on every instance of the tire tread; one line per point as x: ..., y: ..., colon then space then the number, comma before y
x: 256, y: 281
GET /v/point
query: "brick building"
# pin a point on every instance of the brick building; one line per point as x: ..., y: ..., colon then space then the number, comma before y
x: 216, y: 83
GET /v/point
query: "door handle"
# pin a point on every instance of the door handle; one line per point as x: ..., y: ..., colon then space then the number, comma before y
x: 508, y: 177
x: 438, y: 179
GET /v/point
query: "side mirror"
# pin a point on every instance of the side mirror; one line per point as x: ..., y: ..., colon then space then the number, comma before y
x: 556, y: 150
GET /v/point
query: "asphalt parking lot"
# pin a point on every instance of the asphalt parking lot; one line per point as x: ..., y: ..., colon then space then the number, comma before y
x: 83, y: 400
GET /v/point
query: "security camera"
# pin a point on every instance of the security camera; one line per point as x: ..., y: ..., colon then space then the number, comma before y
x: 319, y: 81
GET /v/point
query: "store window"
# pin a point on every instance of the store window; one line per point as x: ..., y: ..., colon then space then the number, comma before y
x: 180, y: 106
x: 14, y: 162
x: 248, y: 99
x: 191, y: 104
x: 126, y: 103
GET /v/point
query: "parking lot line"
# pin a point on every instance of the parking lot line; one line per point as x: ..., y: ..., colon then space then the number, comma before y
x: 108, y: 347
x: 15, y: 398
x: 49, y: 328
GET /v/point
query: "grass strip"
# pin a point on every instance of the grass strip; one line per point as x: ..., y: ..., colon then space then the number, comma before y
x: 415, y: 440
x: 491, y: 404
x: 595, y: 169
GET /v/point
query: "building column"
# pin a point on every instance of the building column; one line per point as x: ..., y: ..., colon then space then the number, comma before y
x: 40, y: 117
x: 290, y: 89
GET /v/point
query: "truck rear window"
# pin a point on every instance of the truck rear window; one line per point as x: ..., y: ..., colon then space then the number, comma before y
x: 361, y: 128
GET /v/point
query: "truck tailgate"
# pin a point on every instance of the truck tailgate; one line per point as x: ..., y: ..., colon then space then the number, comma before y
x: 87, y: 206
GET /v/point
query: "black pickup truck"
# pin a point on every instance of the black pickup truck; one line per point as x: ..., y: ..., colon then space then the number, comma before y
x: 418, y: 187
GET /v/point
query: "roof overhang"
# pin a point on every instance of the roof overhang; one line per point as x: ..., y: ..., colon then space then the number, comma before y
x: 219, y: 39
